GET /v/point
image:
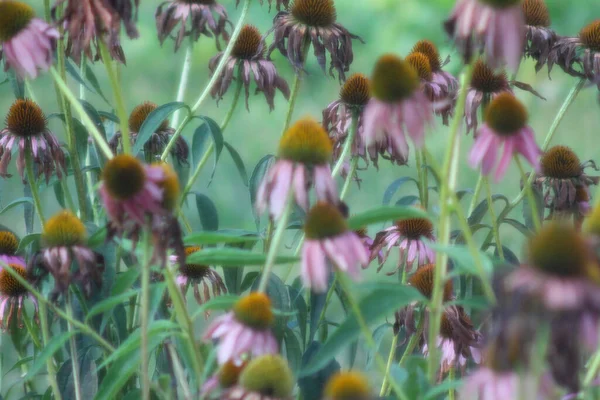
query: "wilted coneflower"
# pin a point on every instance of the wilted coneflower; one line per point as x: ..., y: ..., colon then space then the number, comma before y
x: 398, y: 107
x: 9, y: 244
x: 205, y: 17
x: 347, y: 386
x: 97, y: 20
x: 304, y: 156
x: 409, y: 235
x: 337, y: 117
x: 157, y: 142
x: 246, y: 330
x: 247, y: 60
x: 279, y: 3
x: 225, y: 378
x: 27, y: 42
x: 439, y: 86
x: 313, y: 21
x: 539, y: 38
x: 496, y: 27
x: 267, y: 377
x: 367, y: 242
x: 583, y: 50
x: 567, y: 185
x: 196, y: 275
x: 64, y: 240
x: 329, y: 241
x: 505, y: 125
x: 27, y: 130
x: 12, y: 294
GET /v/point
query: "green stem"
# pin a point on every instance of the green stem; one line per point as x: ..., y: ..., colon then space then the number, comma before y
x: 529, y: 191
x: 388, y: 367
x: 324, y: 310
x: 448, y: 186
x: 277, y: 238
x: 368, y: 336
x: 145, y: 316
x: 353, y: 167
x: 295, y: 88
x: 425, y: 178
x: 347, y: 145
x: 412, y: 343
x: 183, y: 80
x: 87, y: 121
x: 475, y: 197
x: 495, y: 227
x: 451, y: 376
x: 120, y: 104
x: 33, y: 186
x: 215, y: 76
x: 419, y: 166
x: 73, y: 349
x: 45, y: 339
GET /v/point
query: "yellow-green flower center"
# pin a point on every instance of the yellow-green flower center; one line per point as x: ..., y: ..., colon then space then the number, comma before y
x: 356, y: 91
x: 254, y: 310
x: 506, y: 115
x: 393, y: 79
x: 347, y: 386
x: 139, y: 115
x: 123, y: 176
x: 64, y: 229
x: 9, y: 243
x: 306, y: 142
x: 536, y: 13
x: 14, y: 17
x: 430, y: 50
x: 25, y: 118
x: 590, y: 36
x: 324, y: 221
x: 420, y: 62
x: 560, y: 162
x: 423, y: 280
x: 268, y: 375
x: 320, y: 13
x: 9, y: 285
x: 248, y: 43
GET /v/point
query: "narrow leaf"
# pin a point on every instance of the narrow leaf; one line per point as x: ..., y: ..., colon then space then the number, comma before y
x: 256, y: 178
x: 239, y: 163
x: 207, y: 211
x: 384, y: 214
x: 228, y: 257
x: 394, y: 187
x: 14, y: 203
x: 49, y: 349
x: 215, y: 237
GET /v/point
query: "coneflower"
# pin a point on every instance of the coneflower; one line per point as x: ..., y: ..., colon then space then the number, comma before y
x: 303, y: 160
x: 27, y: 130
x: 247, y: 62
x: 12, y: 294
x: 539, y: 38
x: 244, y: 331
x: 9, y: 244
x: 225, y: 378
x: 87, y: 22
x: 329, y: 242
x: 27, y: 42
x: 398, y: 107
x: 348, y: 386
x: 159, y: 139
x: 313, y: 22
x: 267, y: 377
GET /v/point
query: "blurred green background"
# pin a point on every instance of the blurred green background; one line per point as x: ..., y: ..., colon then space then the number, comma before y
x: 152, y: 74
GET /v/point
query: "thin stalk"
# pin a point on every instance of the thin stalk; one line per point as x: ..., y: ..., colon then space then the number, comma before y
x: 410, y: 347
x: 73, y: 350
x: 277, y: 238
x: 388, y: 367
x: 419, y: 165
x: 353, y: 166
x: 495, y: 227
x: 295, y: 88
x: 425, y: 177
x: 67, y: 193
x: 33, y: 185
x: 179, y: 372
x: 325, y: 306
x: 82, y: 73
x: 451, y: 377
x: 211, y: 83
x: 144, y: 316
x: 45, y: 339
x: 347, y: 145
x: 120, y: 104
x: 448, y: 186
x: 529, y: 191
x: 368, y: 336
x: 87, y: 121
x: 183, y: 80
x: 475, y: 197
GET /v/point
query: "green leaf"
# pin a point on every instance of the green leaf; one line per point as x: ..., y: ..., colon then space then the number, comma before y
x: 17, y: 84
x: 384, y: 300
x: 482, y: 209
x: 293, y: 350
x: 464, y: 262
x: 378, y: 335
x: 216, y: 237
x: 72, y: 70
x: 125, y: 281
x: 207, y: 211
x: 256, y: 178
x: 297, y: 299
x: 518, y: 226
x: 239, y: 163
x: 312, y: 386
x: 442, y: 388
x: 394, y: 187
x: 198, y: 144
x: 27, y: 240
x: 116, y: 377
x: 91, y: 77
x: 224, y: 302
x: 48, y: 351
x: 384, y: 214
x: 153, y: 121
x: 210, y: 127
x: 16, y: 202
x: 228, y: 257
x: 110, y: 303
x: 407, y: 200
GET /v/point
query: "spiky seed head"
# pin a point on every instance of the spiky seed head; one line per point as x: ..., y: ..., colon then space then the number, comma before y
x: 420, y: 62
x: 139, y: 115
x: 319, y: 13
x: 536, y: 13
x: 248, y: 43
x: 393, y: 79
x: 590, y: 35
x: 9, y: 285
x: 306, y: 142
x: 64, y: 229
x: 194, y: 271
x: 560, y: 162
x: 430, y: 50
x: 123, y: 176
x: 14, y: 17
x: 9, y: 243
x: 485, y: 80
x: 254, y: 310
x: 25, y: 118
x: 506, y: 115
x: 349, y: 385
x: 423, y: 280
x: 356, y: 91
x: 415, y: 228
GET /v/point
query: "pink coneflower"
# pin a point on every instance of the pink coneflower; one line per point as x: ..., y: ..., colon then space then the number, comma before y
x: 440, y: 86
x: 304, y: 156
x: 225, y: 378
x: 9, y: 244
x: 267, y: 377
x: 409, y: 236
x: 328, y: 240
x: 539, y: 38
x: 12, y: 294
x: 505, y: 125
x: 488, y: 384
x: 27, y: 42
x: 64, y: 241
x: 495, y: 26
x: 398, y: 107
x: 204, y: 17
x: 367, y: 242
x: 246, y: 330
x: 27, y: 130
